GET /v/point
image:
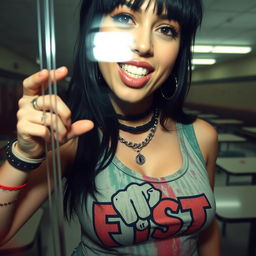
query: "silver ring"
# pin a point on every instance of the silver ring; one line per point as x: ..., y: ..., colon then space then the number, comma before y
x: 43, y: 117
x: 34, y: 103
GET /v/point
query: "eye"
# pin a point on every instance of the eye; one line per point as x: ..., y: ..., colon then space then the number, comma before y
x: 123, y: 19
x: 168, y: 31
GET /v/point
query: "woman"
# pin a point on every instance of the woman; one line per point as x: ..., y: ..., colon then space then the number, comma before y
x: 139, y: 171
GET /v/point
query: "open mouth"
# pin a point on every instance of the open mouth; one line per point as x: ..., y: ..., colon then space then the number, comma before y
x: 134, y: 74
x: 133, y: 71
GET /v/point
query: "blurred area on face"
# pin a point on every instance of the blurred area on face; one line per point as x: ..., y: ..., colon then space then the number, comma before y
x: 148, y: 44
x: 116, y: 44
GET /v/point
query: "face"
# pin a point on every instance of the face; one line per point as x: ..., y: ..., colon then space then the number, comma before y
x: 155, y: 47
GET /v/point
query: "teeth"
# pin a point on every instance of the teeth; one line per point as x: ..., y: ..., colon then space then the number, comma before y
x: 133, y: 71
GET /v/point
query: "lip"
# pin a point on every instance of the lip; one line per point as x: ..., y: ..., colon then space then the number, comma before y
x: 135, y: 82
x: 139, y: 63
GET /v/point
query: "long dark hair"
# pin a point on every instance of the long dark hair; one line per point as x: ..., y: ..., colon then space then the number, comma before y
x: 88, y: 96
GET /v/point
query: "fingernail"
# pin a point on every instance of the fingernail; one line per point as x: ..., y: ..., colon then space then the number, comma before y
x: 42, y: 72
x: 61, y: 69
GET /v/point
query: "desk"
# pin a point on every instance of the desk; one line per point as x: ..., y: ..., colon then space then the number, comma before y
x: 235, y: 204
x: 207, y: 116
x: 226, y: 121
x: 251, y: 129
x: 248, y: 131
x: 230, y: 138
x: 239, y: 166
x: 192, y: 112
x: 25, y: 238
x: 226, y: 124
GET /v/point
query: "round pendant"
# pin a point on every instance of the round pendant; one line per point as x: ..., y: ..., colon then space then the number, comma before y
x: 140, y: 159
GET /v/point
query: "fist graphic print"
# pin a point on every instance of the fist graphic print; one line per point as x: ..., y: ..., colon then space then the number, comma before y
x: 134, y: 204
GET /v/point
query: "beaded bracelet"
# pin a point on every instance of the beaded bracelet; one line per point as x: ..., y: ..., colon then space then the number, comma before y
x: 8, y: 203
x: 20, y: 162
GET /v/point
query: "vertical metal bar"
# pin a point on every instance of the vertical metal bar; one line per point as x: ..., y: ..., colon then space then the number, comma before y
x: 59, y: 191
x: 47, y: 55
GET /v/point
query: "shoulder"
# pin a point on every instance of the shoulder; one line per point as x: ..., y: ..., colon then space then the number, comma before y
x: 207, y: 138
x: 205, y: 131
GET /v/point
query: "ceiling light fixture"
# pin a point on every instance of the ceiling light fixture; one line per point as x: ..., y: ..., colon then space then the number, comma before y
x: 221, y: 49
x: 231, y: 49
x: 202, y: 48
x: 203, y: 61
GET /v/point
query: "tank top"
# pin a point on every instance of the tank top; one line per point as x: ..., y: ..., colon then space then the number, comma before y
x: 137, y: 215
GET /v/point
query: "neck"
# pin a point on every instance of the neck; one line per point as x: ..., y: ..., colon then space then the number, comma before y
x: 131, y: 108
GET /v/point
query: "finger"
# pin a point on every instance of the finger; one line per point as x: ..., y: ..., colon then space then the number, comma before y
x: 56, y: 104
x: 79, y: 127
x: 32, y: 85
x: 28, y: 129
x: 52, y: 121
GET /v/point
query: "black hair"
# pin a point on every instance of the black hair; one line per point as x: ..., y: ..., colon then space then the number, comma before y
x: 88, y: 96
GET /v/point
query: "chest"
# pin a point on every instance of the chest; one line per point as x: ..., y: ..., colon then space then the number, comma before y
x: 163, y: 154
x: 132, y: 211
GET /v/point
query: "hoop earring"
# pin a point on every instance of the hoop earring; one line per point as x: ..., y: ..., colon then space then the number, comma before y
x: 168, y: 98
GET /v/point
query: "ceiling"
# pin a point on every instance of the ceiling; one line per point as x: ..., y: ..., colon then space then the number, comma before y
x: 226, y: 22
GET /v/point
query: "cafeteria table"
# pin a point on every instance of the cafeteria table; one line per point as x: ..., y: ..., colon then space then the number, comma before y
x: 208, y: 116
x: 221, y: 121
x: 228, y: 138
x: 248, y: 131
x: 226, y: 124
x: 192, y: 112
x: 251, y: 129
x: 238, y: 166
x: 236, y: 204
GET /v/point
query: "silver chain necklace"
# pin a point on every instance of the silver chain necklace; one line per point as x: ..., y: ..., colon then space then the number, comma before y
x: 140, y: 159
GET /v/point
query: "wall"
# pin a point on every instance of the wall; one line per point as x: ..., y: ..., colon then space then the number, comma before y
x: 13, y: 62
x: 13, y: 69
x: 240, y: 67
x: 228, y: 87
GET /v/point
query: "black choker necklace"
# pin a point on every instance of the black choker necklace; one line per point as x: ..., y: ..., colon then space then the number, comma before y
x: 134, y: 117
x: 140, y: 158
x: 141, y: 128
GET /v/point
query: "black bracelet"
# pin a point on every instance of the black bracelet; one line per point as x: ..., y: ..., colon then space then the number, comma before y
x: 18, y: 163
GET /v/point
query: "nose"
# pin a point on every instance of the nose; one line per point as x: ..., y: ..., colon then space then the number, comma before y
x: 143, y: 42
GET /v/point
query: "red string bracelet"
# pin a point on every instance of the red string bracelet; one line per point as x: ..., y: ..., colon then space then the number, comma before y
x: 13, y: 188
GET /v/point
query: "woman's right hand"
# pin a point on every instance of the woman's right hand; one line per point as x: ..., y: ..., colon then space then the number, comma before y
x: 49, y: 112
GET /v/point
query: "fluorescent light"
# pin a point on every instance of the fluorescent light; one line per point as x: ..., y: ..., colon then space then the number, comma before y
x: 231, y: 49
x: 202, y: 48
x: 203, y: 61
x: 221, y: 49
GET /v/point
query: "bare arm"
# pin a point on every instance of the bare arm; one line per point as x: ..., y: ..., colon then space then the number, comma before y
x: 209, y: 239
x: 33, y: 129
x: 30, y: 198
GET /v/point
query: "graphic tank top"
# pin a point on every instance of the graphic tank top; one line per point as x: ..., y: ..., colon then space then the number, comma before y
x: 137, y: 215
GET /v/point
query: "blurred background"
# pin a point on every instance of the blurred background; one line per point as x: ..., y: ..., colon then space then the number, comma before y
x: 223, y: 92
